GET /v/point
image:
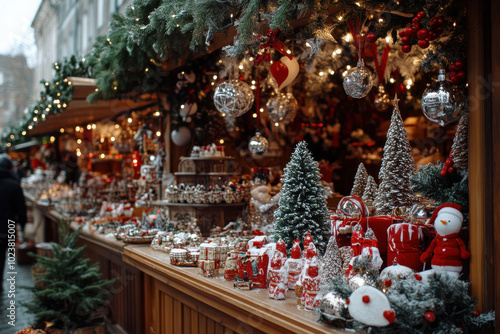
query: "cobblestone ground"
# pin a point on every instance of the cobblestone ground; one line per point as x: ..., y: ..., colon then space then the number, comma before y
x: 23, y: 277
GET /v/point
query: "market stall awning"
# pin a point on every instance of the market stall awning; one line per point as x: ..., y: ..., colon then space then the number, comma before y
x: 80, y: 112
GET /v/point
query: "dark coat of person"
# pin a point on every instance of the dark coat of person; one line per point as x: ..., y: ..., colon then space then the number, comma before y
x: 12, y: 204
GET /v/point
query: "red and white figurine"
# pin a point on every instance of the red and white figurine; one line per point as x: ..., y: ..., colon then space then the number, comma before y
x: 294, y: 265
x: 447, y: 250
x: 310, y: 284
x: 278, y: 276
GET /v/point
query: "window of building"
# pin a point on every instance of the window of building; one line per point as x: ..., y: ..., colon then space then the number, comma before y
x: 112, y: 7
x: 85, y: 34
x: 1, y: 78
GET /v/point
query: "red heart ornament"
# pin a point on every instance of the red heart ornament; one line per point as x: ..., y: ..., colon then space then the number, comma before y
x: 279, y: 72
x: 390, y: 316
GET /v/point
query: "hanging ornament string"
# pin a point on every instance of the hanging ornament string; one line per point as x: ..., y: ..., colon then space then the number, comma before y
x: 357, y: 37
x: 380, y: 67
x: 270, y: 42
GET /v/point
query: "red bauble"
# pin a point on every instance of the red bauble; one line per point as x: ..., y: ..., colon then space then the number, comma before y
x: 444, y: 172
x: 454, y: 78
x: 438, y: 30
x: 388, y: 283
x: 424, y: 44
x: 476, y: 314
x: 452, y: 67
x: 422, y: 34
x: 459, y: 65
x: 371, y: 38
x: 421, y: 15
x: 433, y: 23
x: 417, y: 26
x: 410, y: 31
x: 440, y: 21
x: 418, y: 277
x: 406, y: 48
x: 430, y: 317
x: 432, y: 35
x: 449, y: 163
x: 451, y: 170
x: 415, y: 20
x: 460, y: 76
x: 402, y: 33
x: 406, y: 40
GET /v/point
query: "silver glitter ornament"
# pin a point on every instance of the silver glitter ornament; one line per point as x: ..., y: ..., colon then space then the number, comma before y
x: 358, y: 81
x: 233, y: 98
x: 443, y: 103
x: 258, y: 145
x: 382, y: 100
x: 282, y: 108
x: 333, y: 305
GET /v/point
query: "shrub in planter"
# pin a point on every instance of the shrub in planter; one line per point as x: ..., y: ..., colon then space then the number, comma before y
x: 68, y: 291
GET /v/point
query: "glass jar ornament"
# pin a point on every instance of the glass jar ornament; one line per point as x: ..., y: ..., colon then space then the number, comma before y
x: 258, y: 144
x: 233, y: 98
x: 352, y: 207
x: 358, y: 80
x: 443, y: 103
x: 282, y: 108
x: 382, y: 100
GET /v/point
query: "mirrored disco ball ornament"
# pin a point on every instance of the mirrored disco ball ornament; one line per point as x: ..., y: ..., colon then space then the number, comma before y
x: 358, y: 81
x: 233, y: 98
x: 282, y: 108
x: 443, y: 103
x: 382, y: 100
x: 258, y: 145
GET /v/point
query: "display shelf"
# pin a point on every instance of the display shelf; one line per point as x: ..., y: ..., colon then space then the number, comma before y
x: 207, y: 158
x: 198, y: 205
x: 205, y: 174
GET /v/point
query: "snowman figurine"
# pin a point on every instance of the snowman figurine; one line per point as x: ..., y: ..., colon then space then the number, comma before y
x: 448, y: 249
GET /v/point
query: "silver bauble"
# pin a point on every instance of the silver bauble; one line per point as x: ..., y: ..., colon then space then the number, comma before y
x: 332, y: 304
x: 443, y: 103
x: 258, y: 145
x: 421, y: 213
x: 382, y: 100
x: 181, y: 136
x: 358, y: 81
x: 282, y: 108
x: 233, y: 98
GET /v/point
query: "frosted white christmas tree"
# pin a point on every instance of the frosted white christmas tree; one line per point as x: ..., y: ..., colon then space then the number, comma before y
x: 302, y: 205
x: 460, y: 147
x: 331, y: 263
x: 397, y: 168
x: 370, y: 192
x: 360, y: 181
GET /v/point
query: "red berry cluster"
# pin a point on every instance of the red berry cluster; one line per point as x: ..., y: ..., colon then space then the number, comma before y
x: 448, y: 166
x: 417, y: 34
x: 457, y: 73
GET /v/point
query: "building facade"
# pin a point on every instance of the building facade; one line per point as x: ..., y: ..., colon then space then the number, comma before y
x: 69, y: 27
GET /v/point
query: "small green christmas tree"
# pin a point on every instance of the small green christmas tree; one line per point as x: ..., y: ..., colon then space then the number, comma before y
x: 302, y: 205
x: 360, y: 181
x: 397, y: 168
x: 371, y: 191
x: 70, y: 290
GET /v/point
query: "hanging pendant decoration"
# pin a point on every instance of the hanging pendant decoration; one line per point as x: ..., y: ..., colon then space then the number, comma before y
x: 233, y: 98
x: 258, y: 145
x: 284, y: 71
x: 358, y: 81
x: 443, y: 103
x: 282, y: 108
x: 181, y: 136
x: 382, y: 100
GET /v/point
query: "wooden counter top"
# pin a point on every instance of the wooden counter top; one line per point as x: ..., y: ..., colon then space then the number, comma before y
x: 253, y: 307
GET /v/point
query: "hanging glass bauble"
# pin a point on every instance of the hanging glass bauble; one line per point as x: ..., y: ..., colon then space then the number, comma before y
x: 352, y: 207
x: 233, y: 98
x: 258, y: 145
x: 382, y: 100
x: 282, y: 108
x: 181, y: 136
x: 443, y: 103
x: 358, y: 81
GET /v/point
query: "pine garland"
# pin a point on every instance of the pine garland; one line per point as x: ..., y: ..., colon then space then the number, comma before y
x: 453, y: 188
x: 302, y: 205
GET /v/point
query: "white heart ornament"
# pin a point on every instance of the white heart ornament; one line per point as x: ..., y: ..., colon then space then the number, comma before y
x: 293, y: 70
